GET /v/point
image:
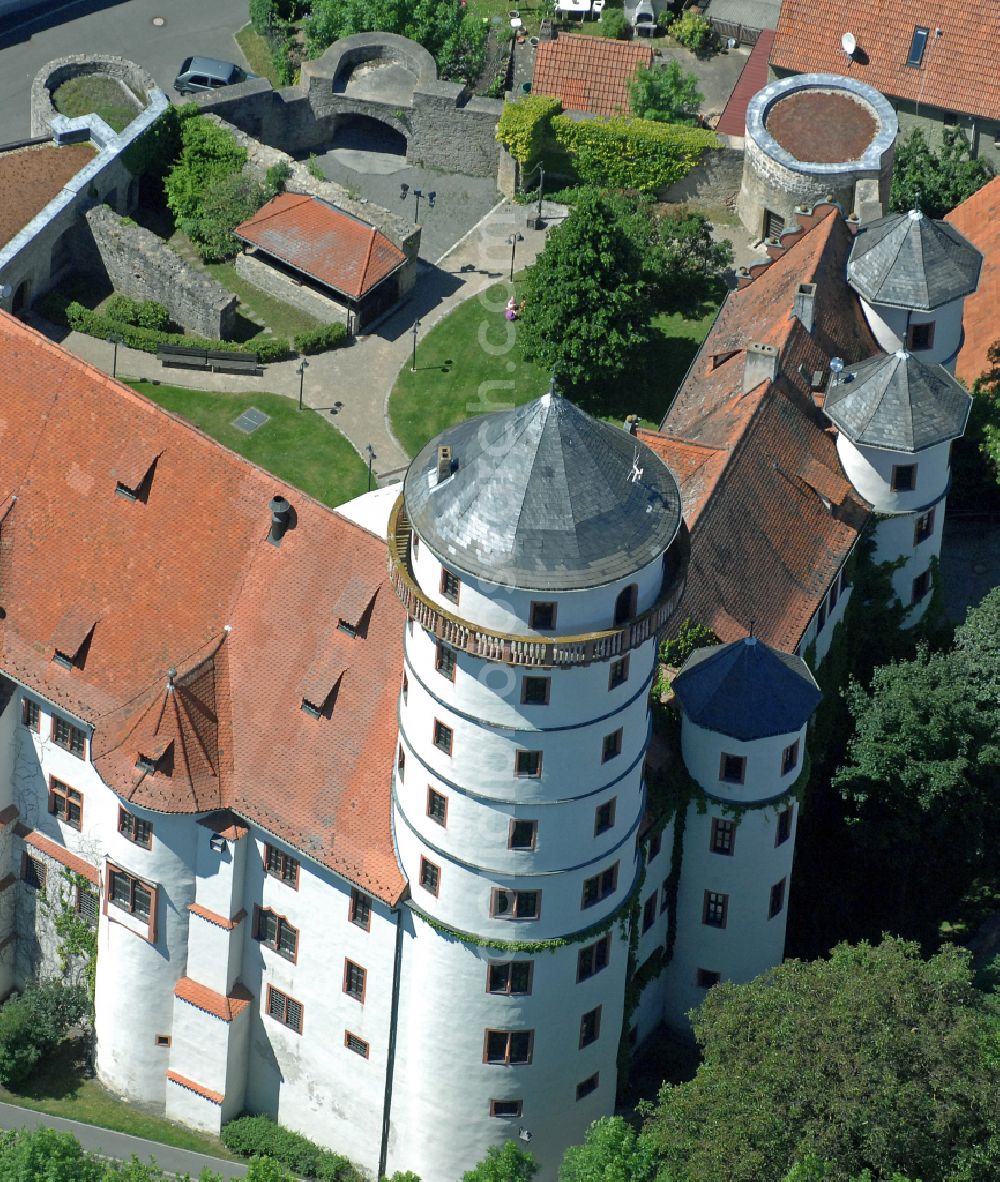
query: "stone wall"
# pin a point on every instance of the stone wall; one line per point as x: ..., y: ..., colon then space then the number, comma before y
x: 142, y: 266
x: 712, y: 183
x: 452, y: 135
x: 283, y: 287
x: 53, y: 74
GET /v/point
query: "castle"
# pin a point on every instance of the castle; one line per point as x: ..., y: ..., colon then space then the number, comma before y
x: 356, y: 799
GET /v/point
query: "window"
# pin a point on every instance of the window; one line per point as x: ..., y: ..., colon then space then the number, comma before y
x: 130, y: 894
x: 277, y: 934
x: 361, y: 909
x: 600, y: 886
x: 715, y: 908
x: 401, y: 763
x: 706, y: 978
x: 543, y: 616
x: 522, y: 835
x: 34, y: 872
x: 625, y: 605
x: 437, y: 806
x: 904, y: 477
x: 611, y: 746
x: 506, y: 904
x: 406, y: 687
x: 69, y: 737
x: 87, y: 904
x: 445, y: 661
x: 590, y: 1027
x: 430, y: 876
x: 284, y: 1009
x: 508, y: 1046
x: 777, y: 899
x: 65, y: 803
x: 733, y: 768
x: 649, y: 912
x: 784, y: 825
x: 604, y: 816
x: 355, y: 1044
x: 723, y: 836
x: 442, y: 737
x: 535, y: 691
x: 790, y: 758
x: 917, y: 47
x: 450, y: 586
x: 281, y: 865
x: 593, y: 958
x: 416, y: 547
x: 162, y: 1040
x: 355, y: 980
x: 588, y: 1085
x: 31, y: 715
x: 505, y: 1107
x: 136, y: 830
x: 509, y: 976
x: 921, y: 585
x: 655, y: 845
x: 924, y: 527
x: 618, y: 673
x: 528, y: 763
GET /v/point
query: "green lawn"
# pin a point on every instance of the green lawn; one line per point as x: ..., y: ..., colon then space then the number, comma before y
x: 303, y: 448
x: 452, y: 367
x: 258, y: 54
x: 282, y: 319
x: 59, y: 1088
x: 98, y: 95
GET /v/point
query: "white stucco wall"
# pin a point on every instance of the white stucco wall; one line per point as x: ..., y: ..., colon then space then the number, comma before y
x: 869, y: 469
x: 889, y: 326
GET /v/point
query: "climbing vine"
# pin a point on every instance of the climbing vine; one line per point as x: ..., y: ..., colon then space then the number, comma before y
x: 76, y: 938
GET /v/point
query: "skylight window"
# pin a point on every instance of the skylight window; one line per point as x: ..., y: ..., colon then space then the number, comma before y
x: 917, y: 46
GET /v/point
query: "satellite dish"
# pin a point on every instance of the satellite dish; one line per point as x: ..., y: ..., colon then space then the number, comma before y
x: 849, y: 43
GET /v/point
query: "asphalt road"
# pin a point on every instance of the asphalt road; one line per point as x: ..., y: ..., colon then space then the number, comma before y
x: 121, y: 27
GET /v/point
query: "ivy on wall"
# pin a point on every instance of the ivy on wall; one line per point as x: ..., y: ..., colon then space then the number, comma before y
x: 76, y: 939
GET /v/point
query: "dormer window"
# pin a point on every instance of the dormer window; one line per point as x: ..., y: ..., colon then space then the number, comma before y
x: 354, y: 606
x: 917, y: 47
x: 320, y: 686
x: 72, y: 637
x: 149, y: 758
x: 920, y: 337
x: 134, y: 473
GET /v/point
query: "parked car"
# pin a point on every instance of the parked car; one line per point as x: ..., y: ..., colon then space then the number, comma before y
x: 199, y: 74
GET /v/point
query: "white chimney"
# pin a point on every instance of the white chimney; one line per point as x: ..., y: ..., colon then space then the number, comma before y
x: 760, y: 365
x: 805, y: 305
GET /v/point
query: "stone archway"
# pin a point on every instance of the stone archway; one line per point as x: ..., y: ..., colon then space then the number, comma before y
x: 368, y: 133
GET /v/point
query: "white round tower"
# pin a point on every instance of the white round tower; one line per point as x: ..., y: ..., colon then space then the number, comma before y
x: 896, y: 418
x: 913, y: 274
x: 538, y: 552
x: 744, y: 709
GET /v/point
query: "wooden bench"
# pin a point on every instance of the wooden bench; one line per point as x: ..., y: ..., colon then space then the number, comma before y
x: 182, y: 357
x: 218, y: 361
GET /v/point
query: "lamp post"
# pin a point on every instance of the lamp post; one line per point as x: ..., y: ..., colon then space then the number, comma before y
x: 404, y: 189
x: 414, y: 330
x: 116, y: 341
x: 371, y: 456
x: 513, y: 240
x: 300, y: 369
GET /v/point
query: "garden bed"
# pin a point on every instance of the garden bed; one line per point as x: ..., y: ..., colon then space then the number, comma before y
x: 97, y: 94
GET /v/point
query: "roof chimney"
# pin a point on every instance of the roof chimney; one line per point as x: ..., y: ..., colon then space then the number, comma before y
x: 760, y: 365
x: 805, y: 305
x: 280, y: 513
x: 867, y: 202
x: 444, y: 462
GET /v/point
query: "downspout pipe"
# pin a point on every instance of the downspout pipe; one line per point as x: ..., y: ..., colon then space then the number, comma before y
x: 391, y: 1055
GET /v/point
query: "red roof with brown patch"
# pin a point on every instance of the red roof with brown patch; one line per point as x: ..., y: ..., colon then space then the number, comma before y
x: 589, y: 74
x: 162, y: 579
x: 336, y: 249
x: 978, y: 218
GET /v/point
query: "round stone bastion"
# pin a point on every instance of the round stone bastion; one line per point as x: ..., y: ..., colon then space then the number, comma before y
x: 809, y: 138
x: 134, y: 80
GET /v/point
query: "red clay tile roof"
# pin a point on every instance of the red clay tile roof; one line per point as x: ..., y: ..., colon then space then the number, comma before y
x: 752, y: 79
x: 590, y: 74
x: 213, y: 917
x: 772, y: 516
x: 163, y: 579
x: 226, y: 824
x: 978, y: 218
x: 219, y: 1005
x: 198, y: 1089
x: 61, y: 854
x: 960, y: 70
x: 325, y: 243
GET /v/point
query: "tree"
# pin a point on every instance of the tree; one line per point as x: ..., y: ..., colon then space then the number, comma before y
x: 208, y: 155
x: 509, y: 1164
x: 686, y: 266
x: 33, y: 1023
x: 587, y: 298
x: 935, y: 182
x: 612, y: 1151
x: 665, y: 94
x: 231, y: 200
x: 874, y: 1059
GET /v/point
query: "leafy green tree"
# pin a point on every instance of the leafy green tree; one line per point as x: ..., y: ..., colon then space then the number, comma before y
x: 264, y: 1169
x: 686, y: 265
x: 32, y: 1025
x: 509, y: 1164
x: 230, y: 201
x: 874, y: 1059
x: 935, y: 181
x: 811, y: 1169
x: 665, y: 94
x: 612, y: 1151
x: 209, y: 154
x: 587, y: 298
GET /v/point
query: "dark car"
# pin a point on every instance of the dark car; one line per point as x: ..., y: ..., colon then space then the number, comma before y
x: 198, y: 74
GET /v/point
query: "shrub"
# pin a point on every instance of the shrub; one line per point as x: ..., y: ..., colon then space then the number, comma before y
x: 262, y: 15
x: 259, y: 1136
x: 231, y: 200
x: 208, y: 155
x: 145, y: 313
x: 524, y: 125
x: 276, y: 178
x: 694, y: 32
x: 32, y: 1025
x: 627, y: 153
x: 665, y: 94
x: 267, y: 348
x: 318, y: 340
x: 613, y: 24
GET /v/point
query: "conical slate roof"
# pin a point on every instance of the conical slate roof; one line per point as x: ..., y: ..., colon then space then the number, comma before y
x: 746, y: 690
x: 907, y: 260
x: 543, y: 497
x: 895, y: 402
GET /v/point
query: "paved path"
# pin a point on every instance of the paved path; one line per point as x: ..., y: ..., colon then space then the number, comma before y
x: 121, y: 1145
x: 360, y: 377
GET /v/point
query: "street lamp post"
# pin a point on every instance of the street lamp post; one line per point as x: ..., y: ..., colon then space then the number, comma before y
x: 514, y: 239
x: 300, y: 369
x: 116, y: 341
x: 541, y: 186
x: 414, y: 330
x: 404, y: 189
x: 371, y: 456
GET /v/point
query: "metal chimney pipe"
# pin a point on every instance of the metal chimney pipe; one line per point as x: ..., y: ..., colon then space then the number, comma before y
x: 280, y: 513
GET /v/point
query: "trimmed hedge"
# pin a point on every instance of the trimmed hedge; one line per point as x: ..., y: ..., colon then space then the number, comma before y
x: 144, y: 313
x: 318, y: 340
x: 524, y: 125
x: 94, y: 324
x: 259, y: 1136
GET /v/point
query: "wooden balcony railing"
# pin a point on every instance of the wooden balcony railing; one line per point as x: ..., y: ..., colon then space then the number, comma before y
x: 536, y: 651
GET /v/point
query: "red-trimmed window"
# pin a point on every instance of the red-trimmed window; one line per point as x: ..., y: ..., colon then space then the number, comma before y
x: 611, y: 746
x: 510, y: 976
x: 923, y: 527
x: 508, y: 1046
x: 535, y: 691
x: 355, y: 980
x: 137, y: 831
x: 71, y: 738
x: 87, y: 905
x: 34, y: 872
x: 528, y: 763
x: 281, y: 865
x: 361, y: 909
x: 790, y: 758
x: 133, y: 895
x: 443, y: 737
x: 904, y: 477
x: 451, y: 586
x: 65, y: 803
x: 437, y: 807
x: 732, y: 768
x: 445, y: 662
x: 542, y: 616
x: 276, y: 933
x: 618, y: 673
x: 784, y: 831
x: 506, y: 1108
x: 522, y: 835
x: 284, y: 1009
x: 31, y: 714
x: 506, y: 904
x: 593, y: 958
x: 430, y: 876
x: 357, y: 1045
